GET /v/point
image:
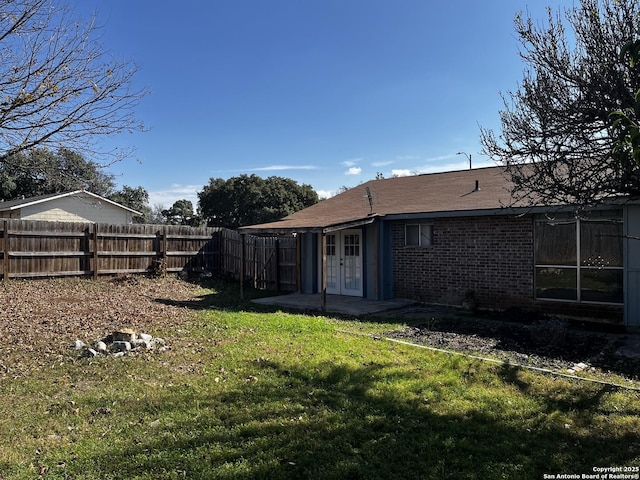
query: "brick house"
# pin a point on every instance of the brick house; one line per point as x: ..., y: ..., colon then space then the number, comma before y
x: 440, y: 238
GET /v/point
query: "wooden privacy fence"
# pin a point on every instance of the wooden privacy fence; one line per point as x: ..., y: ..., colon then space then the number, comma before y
x: 31, y: 249
x: 43, y: 249
x: 270, y: 262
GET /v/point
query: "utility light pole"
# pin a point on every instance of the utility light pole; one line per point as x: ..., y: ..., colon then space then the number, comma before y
x: 466, y: 155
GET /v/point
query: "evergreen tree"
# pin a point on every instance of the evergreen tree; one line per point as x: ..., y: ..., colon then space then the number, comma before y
x: 249, y: 200
x: 136, y: 199
x: 41, y: 172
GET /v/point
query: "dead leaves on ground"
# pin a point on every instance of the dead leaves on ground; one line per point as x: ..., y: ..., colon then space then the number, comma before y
x: 39, y: 319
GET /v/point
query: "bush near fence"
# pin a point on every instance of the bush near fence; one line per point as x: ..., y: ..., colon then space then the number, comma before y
x: 32, y: 249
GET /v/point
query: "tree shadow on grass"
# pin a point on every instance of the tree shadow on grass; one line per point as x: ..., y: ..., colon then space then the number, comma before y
x: 223, y: 295
x: 553, y: 342
x: 336, y: 422
x: 574, y: 398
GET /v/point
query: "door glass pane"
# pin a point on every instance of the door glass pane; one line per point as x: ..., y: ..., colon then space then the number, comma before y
x: 556, y: 283
x: 331, y: 245
x: 352, y: 273
x: 555, y: 243
x: 332, y: 262
x: 351, y: 245
x: 601, y: 285
x: 352, y: 262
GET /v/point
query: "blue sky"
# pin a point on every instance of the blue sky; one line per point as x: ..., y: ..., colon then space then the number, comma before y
x: 326, y: 92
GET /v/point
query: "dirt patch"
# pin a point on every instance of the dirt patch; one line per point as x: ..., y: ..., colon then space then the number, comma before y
x: 41, y: 318
x: 549, y: 343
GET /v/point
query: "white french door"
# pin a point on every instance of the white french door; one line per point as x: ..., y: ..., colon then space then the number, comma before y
x: 344, y: 263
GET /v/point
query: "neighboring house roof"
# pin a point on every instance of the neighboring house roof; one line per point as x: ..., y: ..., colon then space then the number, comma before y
x: 26, y: 202
x: 448, y: 193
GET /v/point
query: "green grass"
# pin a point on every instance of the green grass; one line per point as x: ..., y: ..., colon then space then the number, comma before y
x: 248, y: 394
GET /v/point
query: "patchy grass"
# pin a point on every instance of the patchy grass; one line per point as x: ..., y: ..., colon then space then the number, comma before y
x: 245, y: 393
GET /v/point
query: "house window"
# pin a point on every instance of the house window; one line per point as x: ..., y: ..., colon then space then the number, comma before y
x: 418, y: 235
x: 580, y: 260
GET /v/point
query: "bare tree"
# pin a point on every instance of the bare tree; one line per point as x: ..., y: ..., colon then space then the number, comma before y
x: 58, y: 86
x: 558, y: 134
x: 626, y: 122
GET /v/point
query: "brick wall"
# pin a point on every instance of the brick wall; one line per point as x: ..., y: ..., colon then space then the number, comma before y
x: 493, y: 256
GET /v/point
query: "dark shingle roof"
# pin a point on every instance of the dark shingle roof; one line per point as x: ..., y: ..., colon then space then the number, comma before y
x: 419, y: 194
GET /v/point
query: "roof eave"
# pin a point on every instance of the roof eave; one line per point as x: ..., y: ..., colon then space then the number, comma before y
x: 28, y: 203
x: 116, y: 204
x: 255, y: 230
x: 462, y: 213
x: 519, y: 210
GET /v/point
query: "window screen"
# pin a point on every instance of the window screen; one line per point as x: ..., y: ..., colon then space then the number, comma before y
x: 580, y: 259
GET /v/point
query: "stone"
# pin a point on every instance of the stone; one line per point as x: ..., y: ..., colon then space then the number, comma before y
x: 140, y: 343
x: 145, y: 337
x: 578, y: 367
x: 113, y: 344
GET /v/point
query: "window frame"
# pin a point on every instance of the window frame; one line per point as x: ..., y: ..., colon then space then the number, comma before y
x: 579, y: 266
x: 420, y: 226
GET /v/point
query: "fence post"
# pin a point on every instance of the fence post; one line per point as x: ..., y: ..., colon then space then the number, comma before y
x: 94, y: 239
x: 5, y: 252
x: 164, y: 251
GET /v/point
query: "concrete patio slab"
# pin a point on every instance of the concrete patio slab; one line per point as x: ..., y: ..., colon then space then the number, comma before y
x: 335, y: 303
